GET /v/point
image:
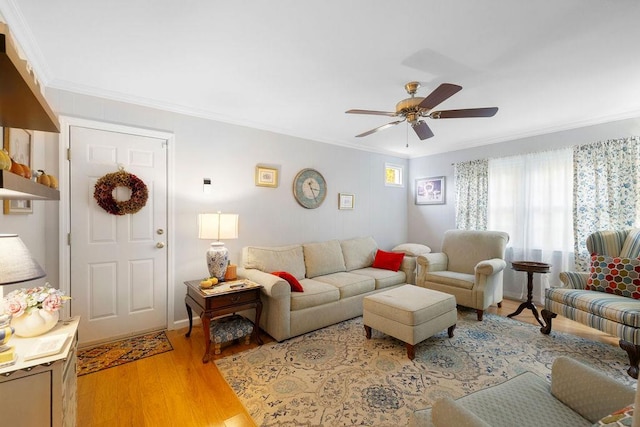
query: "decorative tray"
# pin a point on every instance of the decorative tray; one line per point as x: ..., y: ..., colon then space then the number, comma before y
x: 536, y: 267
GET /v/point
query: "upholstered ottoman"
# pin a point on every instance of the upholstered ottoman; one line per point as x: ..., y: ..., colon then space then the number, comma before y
x: 229, y: 328
x: 410, y: 313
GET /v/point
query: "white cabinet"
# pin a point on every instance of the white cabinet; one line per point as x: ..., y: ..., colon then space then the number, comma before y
x: 41, y: 392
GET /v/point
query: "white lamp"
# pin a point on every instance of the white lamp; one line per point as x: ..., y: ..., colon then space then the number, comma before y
x: 16, y: 266
x: 217, y: 226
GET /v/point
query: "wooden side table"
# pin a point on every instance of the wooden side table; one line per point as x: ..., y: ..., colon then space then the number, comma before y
x: 530, y: 267
x: 225, y: 298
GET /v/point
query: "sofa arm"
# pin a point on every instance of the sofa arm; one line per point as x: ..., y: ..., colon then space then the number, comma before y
x: 581, y: 388
x: 273, y: 286
x: 409, y: 267
x: 490, y: 267
x: 447, y: 412
x: 574, y: 279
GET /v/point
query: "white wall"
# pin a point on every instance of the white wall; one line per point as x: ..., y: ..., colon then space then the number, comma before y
x: 228, y: 154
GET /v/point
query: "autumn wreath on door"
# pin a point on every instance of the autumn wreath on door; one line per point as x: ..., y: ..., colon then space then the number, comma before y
x: 103, y: 193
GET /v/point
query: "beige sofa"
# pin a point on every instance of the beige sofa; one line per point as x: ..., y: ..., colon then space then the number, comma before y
x: 336, y: 276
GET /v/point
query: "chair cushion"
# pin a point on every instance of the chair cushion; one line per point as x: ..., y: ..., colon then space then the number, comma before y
x: 615, y: 275
x: 451, y: 278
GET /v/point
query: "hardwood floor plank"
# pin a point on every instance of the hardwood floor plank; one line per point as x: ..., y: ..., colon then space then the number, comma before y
x: 176, y: 388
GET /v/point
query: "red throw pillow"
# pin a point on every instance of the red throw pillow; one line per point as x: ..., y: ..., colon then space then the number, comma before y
x: 293, y: 282
x: 388, y: 260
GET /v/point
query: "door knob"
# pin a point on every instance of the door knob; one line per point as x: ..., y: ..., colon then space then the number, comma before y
x: 159, y: 245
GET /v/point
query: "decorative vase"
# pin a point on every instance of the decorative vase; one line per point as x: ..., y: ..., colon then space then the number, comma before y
x: 217, y: 260
x: 34, y: 322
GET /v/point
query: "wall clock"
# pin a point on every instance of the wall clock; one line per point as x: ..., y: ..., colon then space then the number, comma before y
x: 309, y: 188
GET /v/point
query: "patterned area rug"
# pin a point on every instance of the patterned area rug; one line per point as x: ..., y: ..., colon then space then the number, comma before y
x: 336, y: 377
x: 117, y: 353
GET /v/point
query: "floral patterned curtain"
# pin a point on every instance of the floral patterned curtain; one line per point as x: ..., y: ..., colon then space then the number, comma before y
x: 605, y: 185
x: 472, y: 193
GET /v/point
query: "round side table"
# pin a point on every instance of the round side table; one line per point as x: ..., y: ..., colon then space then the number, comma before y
x: 529, y: 267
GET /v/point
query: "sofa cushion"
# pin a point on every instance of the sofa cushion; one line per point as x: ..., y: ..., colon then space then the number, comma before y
x: 358, y: 253
x: 323, y: 258
x: 614, y: 275
x: 349, y: 284
x: 597, y: 304
x: 293, y: 282
x: 388, y: 260
x: 383, y: 278
x: 631, y: 247
x: 315, y: 293
x: 268, y: 259
x: 412, y: 249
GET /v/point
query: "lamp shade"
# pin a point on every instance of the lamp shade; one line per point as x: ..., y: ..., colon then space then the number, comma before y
x: 217, y: 226
x: 16, y: 263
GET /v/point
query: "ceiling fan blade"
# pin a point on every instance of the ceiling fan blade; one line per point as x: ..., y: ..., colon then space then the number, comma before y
x: 468, y: 112
x: 439, y: 95
x: 379, y: 128
x: 372, y: 112
x: 422, y: 130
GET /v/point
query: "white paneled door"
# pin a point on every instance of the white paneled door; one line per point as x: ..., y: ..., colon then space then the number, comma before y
x: 118, y: 271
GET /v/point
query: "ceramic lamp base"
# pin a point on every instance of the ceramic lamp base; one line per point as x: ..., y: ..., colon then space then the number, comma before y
x: 217, y: 260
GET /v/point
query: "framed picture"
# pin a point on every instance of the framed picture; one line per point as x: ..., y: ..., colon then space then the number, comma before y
x: 430, y: 191
x: 18, y: 143
x: 266, y: 176
x: 345, y: 201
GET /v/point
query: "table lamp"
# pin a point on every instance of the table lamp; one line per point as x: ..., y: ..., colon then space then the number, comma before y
x: 217, y: 226
x: 16, y: 266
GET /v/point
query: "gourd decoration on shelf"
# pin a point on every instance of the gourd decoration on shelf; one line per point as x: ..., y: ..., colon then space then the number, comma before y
x: 103, y: 192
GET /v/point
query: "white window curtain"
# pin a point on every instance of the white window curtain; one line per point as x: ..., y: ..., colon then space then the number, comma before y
x: 471, y: 180
x: 606, y: 182
x: 530, y: 197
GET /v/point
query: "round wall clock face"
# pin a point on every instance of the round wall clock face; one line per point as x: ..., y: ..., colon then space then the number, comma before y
x: 309, y: 188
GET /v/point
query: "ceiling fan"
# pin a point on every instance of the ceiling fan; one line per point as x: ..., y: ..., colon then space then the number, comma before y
x: 415, y: 108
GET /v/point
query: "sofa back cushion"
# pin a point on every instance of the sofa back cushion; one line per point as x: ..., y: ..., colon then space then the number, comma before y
x: 358, y: 253
x: 631, y: 247
x: 607, y: 242
x: 323, y: 258
x: 282, y: 258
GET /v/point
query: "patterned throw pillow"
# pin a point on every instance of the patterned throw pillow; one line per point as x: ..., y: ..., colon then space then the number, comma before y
x: 615, y: 275
x: 623, y: 417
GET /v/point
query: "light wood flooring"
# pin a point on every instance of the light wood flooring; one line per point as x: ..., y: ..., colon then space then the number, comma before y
x: 177, y: 389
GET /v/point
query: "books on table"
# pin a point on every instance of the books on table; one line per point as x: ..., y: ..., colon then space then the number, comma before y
x: 46, y: 346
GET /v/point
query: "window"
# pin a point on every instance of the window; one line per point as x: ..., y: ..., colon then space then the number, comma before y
x: 393, y: 175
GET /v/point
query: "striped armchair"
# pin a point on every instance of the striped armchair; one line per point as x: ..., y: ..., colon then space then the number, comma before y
x: 610, y: 302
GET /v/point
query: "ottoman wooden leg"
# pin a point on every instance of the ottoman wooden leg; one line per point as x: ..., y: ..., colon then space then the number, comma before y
x: 367, y: 331
x: 411, y: 351
x: 450, y: 331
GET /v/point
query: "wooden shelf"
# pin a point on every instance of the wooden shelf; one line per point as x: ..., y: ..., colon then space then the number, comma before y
x: 15, y: 187
x: 22, y: 104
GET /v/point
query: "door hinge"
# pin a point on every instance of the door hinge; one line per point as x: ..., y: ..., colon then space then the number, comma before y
x: 68, y: 239
x: 68, y: 154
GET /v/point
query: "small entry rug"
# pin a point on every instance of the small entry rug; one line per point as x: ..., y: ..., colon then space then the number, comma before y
x: 117, y: 353
x: 336, y: 377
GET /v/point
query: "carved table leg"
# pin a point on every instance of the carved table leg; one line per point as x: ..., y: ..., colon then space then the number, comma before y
x: 547, y: 316
x: 634, y: 357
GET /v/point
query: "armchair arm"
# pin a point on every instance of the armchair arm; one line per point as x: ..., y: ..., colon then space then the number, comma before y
x: 573, y: 383
x: 447, y: 412
x: 430, y: 262
x: 491, y: 266
x: 574, y: 279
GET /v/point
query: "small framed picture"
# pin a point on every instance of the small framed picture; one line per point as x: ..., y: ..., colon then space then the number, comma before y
x: 266, y: 176
x: 430, y: 191
x: 345, y: 201
x: 18, y: 143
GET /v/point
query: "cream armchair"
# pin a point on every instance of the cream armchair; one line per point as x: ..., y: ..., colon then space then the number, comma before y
x: 469, y: 267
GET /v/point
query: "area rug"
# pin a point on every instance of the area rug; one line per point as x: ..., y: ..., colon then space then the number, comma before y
x: 117, y: 353
x: 336, y: 377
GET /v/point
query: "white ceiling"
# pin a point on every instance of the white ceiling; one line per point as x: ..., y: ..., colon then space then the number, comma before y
x: 294, y: 67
